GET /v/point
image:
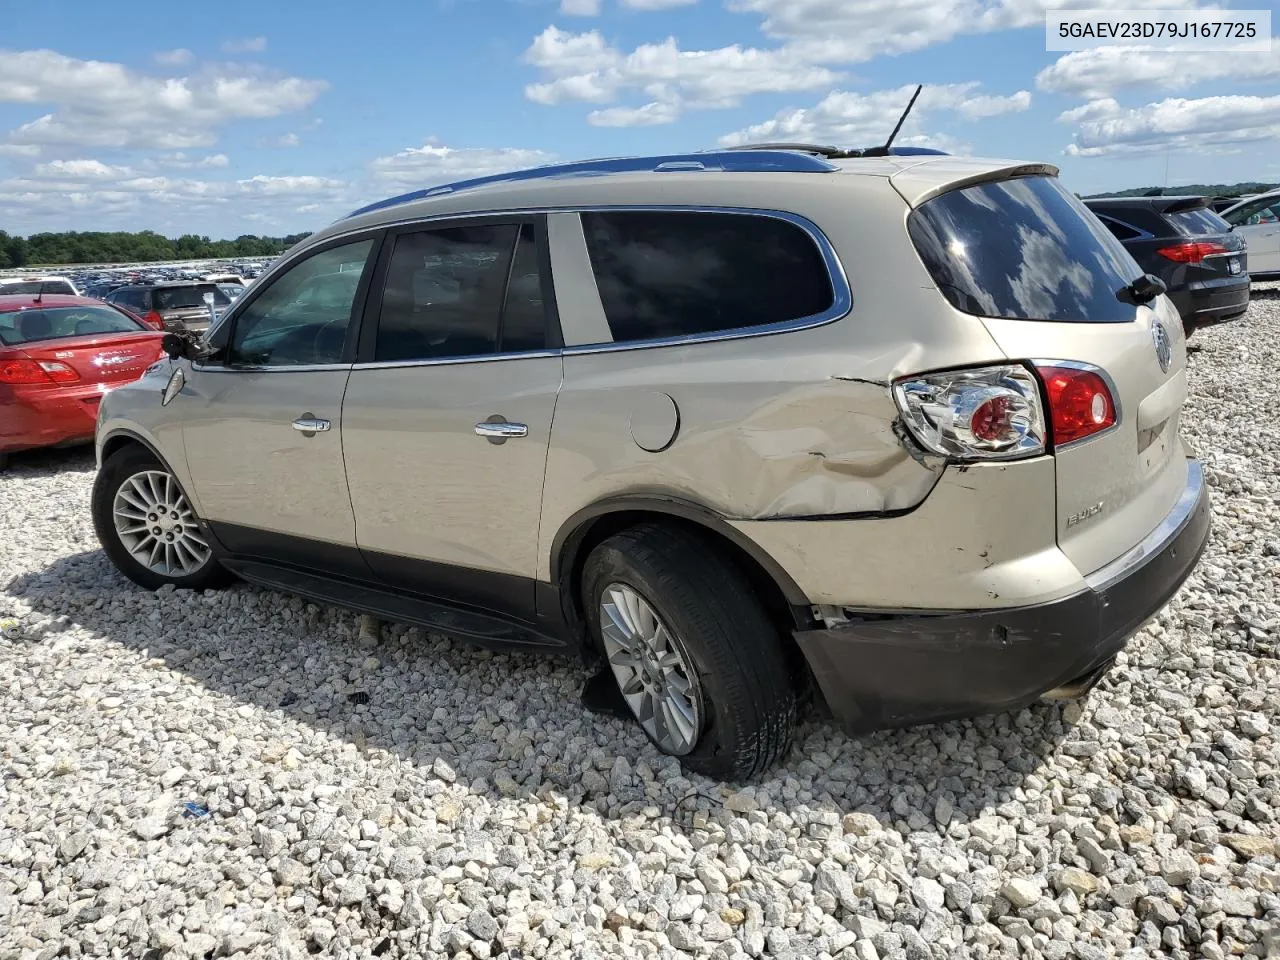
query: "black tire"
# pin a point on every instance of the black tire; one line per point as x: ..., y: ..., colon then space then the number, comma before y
x: 117, y: 469
x: 747, y: 697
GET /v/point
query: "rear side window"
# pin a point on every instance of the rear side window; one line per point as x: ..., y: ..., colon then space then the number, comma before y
x: 1198, y: 223
x: 1121, y: 231
x: 675, y: 274
x: 37, y: 286
x: 1023, y: 249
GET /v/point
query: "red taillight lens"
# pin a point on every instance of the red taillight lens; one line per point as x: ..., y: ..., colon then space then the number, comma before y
x: 22, y: 370
x: 155, y: 320
x: 1191, y: 252
x: 1080, y: 403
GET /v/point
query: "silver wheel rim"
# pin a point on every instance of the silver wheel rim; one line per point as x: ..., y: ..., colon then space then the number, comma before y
x: 157, y: 526
x: 653, y: 671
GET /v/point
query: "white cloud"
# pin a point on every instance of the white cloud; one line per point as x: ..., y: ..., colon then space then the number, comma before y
x: 433, y: 163
x: 580, y: 8
x: 81, y: 170
x: 174, y: 58
x: 657, y: 4
x: 1105, y: 71
x: 584, y: 67
x: 1209, y: 123
x: 837, y: 31
x: 245, y: 45
x: 103, y: 104
x: 645, y: 116
x: 849, y: 119
x: 288, y: 140
x: 181, y: 161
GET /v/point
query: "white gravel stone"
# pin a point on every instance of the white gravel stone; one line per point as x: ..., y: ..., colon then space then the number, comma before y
x: 473, y: 808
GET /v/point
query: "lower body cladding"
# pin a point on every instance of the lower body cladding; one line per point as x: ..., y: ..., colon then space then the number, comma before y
x: 893, y: 670
x: 1212, y: 301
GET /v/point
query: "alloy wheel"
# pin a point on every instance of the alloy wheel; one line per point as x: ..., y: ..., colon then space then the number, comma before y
x: 653, y: 670
x: 157, y: 526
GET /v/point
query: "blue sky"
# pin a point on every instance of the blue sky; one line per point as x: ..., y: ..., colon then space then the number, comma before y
x: 275, y: 118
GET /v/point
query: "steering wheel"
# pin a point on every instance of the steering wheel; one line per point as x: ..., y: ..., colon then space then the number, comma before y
x: 316, y: 349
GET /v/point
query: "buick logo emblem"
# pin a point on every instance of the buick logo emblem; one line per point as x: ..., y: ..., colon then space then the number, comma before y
x: 1164, y: 349
x: 113, y: 359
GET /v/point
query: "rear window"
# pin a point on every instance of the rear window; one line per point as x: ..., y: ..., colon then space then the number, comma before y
x: 184, y: 298
x: 1023, y: 249
x: 37, y: 286
x: 674, y: 274
x: 54, y: 323
x: 1198, y: 223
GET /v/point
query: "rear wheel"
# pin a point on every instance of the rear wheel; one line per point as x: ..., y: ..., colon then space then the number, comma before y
x: 696, y: 658
x: 147, y: 526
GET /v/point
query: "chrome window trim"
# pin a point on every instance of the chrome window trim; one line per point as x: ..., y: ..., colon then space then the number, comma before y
x: 446, y: 361
x: 842, y: 293
x: 282, y: 368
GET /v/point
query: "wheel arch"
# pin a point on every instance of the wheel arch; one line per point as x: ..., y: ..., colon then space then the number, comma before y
x: 593, y: 524
x: 119, y: 439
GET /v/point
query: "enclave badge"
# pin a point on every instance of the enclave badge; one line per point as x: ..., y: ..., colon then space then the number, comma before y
x: 1164, y: 349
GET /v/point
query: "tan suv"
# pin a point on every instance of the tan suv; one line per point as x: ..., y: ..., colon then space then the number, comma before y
x: 732, y: 422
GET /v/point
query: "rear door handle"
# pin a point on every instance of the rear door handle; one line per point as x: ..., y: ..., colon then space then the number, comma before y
x: 499, y: 430
x: 310, y: 424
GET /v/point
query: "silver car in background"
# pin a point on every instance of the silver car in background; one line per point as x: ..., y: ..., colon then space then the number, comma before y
x: 734, y: 424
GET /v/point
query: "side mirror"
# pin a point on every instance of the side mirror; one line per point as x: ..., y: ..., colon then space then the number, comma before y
x: 187, y: 346
x: 174, y: 346
x: 1146, y: 288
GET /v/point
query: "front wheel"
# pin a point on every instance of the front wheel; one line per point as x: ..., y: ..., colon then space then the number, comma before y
x: 694, y: 653
x: 148, y: 528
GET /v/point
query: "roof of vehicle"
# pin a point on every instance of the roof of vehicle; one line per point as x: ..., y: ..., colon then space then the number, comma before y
x: 673, y: 178
x: 12, y: 302
x: 1252, y: 197
x: 1161, y: 204
x: 168, y: 283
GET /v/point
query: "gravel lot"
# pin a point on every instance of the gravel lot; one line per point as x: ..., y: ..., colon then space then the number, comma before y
x: 417, y: 798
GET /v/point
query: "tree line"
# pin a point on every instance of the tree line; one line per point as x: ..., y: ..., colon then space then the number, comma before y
x: 1194, y: 190
x: 73, y: 247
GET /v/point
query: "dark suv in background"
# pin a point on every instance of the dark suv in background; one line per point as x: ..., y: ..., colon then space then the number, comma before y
x: 171, y: 306
x: 1186, y: 244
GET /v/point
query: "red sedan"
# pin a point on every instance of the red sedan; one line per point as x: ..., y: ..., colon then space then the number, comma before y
x: 58, y: 356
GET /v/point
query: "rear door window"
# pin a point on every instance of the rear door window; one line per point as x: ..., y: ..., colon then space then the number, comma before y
x: 668, y: 274
x: 1023, y: 249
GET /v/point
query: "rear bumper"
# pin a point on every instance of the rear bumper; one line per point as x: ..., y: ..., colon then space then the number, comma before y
x: 1212, y: 301
x: 902, y: 669
x: 52, y: 417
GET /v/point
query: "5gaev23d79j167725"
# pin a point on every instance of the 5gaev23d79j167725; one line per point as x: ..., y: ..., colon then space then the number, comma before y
x: 733, y: 422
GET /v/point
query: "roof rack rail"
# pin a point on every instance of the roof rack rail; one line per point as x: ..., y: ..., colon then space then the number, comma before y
x: 732, y: 161
x: 839, y: 153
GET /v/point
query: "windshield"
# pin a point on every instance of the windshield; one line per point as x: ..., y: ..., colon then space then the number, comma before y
x: 37, y: 286
x: 1023, y: 249
x: 54, y: 323
x: 184, y: 298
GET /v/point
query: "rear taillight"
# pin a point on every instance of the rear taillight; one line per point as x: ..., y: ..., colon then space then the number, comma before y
x: 154, y: 319
x: 1191, y: 252
x: 23, y: 370
x: 987, y: 413
x: 1080, y: 402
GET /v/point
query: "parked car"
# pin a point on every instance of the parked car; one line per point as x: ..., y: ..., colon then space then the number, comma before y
x: 171, y: 305
x: 729, y: 421
x: 1257, y: 220
x: 59, y: 355
x: 13, y: 286
x: 1202, y: 263
x: 226, y: 279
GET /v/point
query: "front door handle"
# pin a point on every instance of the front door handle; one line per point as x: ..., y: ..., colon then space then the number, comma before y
x: 500, y: 431
x: 307, y: 423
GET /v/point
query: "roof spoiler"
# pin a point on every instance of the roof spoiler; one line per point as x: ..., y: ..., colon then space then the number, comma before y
x: 1183, y: 204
